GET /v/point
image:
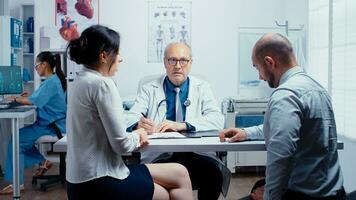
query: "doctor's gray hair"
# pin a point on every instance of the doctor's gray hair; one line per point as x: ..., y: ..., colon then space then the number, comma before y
x: 176, y: 43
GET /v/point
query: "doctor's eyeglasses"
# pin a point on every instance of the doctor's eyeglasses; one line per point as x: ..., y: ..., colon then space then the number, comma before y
x: 182, y: 62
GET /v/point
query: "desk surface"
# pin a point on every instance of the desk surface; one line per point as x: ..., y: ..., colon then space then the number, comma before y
x: 203, y: 144
x: 18, y: 112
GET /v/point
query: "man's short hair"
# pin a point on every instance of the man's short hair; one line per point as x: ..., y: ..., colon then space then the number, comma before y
x: 259, y: 183
x: 277, y: 46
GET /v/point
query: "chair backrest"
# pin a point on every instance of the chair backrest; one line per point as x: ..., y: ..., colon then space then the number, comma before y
x: 147, y: 79
x: 47, y: 139
x: 351, y: 195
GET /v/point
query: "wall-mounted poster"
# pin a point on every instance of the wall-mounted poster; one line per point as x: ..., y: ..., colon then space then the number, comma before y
x: 169, y: 21
x: 73, y: 16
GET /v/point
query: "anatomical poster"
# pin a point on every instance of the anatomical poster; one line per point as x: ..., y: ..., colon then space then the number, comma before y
x: 169, y: 21
x: 73, y: 16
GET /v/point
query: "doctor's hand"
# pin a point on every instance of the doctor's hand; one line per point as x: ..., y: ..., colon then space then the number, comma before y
x: 232, y: 135
x: 147, y: 124
x: 143, y: 137
x: 168, y: 125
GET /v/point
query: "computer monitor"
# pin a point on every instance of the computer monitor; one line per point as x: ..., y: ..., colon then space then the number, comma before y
x: 10, y: 80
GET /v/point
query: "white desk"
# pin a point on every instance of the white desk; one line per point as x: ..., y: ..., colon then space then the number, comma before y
x: 203, y: 144
x: 15, y: 115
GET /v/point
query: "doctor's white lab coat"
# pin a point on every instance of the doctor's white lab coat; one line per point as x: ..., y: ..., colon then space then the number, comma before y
x: 203, y: 112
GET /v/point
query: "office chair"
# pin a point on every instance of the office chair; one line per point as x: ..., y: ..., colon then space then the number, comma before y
x: 51, y: 179
x: 222, y: 155
x: 351, y: 195
x: 1, y: 173
x: 132, y: 158
x: 147, y: 79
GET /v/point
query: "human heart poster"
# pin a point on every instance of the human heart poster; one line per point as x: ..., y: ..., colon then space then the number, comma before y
x: 73, y: 16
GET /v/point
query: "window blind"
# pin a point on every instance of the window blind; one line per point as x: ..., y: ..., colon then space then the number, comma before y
x: 341, y: 80
x: 319, y: 41
x: 343, y: 75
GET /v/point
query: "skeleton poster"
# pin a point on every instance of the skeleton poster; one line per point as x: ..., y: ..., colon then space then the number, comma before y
x: 169, y: 21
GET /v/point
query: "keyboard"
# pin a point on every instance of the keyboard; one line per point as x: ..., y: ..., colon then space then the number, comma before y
x: 4, y: 105
x: 9, y: 105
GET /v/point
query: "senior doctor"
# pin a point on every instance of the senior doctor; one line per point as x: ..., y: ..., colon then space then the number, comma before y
x: 178, y: 102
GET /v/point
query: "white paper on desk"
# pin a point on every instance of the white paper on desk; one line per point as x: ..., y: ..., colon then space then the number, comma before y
x: 165, y: 135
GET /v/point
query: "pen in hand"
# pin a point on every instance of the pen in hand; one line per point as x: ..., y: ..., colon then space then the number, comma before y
x: 143, y: 114
x: 147, y: 124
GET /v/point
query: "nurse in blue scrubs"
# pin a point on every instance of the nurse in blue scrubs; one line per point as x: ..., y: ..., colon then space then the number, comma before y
x: 50, y: 101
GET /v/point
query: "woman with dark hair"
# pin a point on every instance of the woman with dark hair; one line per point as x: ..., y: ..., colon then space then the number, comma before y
x: 97, y: 134
x: 50, y: 102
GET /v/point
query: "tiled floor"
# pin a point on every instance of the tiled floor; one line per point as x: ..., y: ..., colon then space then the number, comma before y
x: 240, y: 185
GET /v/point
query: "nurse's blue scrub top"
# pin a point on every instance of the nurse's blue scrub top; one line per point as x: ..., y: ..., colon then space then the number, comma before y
x: 50, y: 100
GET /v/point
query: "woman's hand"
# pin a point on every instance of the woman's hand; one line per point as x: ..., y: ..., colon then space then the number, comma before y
x: 25, y: 94
x: 20, y: 100
x: 143, y: 137
x: 147, y: 124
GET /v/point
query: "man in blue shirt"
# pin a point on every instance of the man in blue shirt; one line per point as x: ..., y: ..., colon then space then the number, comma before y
x: 299, y: 128
x: 178, y: 102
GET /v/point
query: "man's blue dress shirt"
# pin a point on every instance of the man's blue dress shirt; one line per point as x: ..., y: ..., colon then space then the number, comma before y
x: 171, y: 100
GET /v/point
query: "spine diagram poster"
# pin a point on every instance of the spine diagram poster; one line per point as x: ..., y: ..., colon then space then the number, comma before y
x: 73, y: 16
x: 169, y: 21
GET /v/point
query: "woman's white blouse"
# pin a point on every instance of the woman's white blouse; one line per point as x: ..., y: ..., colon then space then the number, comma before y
x: 96, y: 129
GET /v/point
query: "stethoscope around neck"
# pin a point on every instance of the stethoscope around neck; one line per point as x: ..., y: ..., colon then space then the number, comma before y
x: 186, y: 103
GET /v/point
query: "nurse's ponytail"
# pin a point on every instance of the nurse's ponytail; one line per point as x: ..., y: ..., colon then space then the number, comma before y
x: 54, y: 61
x: 59, y: 71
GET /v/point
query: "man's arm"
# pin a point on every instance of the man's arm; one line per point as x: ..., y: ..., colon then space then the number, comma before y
x: 284, y: 117
x: 254, y: 132
x: 239, y: 134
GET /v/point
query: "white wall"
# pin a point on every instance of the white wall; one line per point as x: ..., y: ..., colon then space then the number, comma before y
x: 296, y: 13
x: 15, y: 6
x: 214, y: 35
x: 4, y: 7
x: 348, y: 163
x: 214, y: 38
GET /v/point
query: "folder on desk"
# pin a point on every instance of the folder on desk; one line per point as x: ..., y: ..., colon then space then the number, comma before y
x: 198, y: 134
x: 166, y: 135
x: 175, y: 135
